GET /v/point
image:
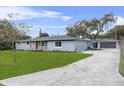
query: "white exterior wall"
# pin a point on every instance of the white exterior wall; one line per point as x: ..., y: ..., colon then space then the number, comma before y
x: 78, y: 46
x: 81, y: 46
x: 117, y: 44
x: 22, y: 46
x: 66, y: 46
x: 32, y: 45
x: 90, y: 44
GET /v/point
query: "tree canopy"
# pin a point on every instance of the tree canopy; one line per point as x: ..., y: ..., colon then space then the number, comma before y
x: 116, y: 32
x: 43, y: 34
x: 91, y: 28
x: 10, y: 32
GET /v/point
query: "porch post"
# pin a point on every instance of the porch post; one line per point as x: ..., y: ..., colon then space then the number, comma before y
x: 98, y: 44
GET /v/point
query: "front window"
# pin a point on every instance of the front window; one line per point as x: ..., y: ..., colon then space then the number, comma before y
x: 27, y: 43
x: 42, y: 43
x: 58, y: 43
x: 18, y: 43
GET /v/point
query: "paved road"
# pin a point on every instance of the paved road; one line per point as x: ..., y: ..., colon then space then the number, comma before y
x: 100, y: 69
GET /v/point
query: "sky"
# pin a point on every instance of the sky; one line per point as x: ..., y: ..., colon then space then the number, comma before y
x: 55, y: 19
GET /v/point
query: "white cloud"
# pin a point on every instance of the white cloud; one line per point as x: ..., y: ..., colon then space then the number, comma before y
x: 120, y: 20
x: 24, y: 13
x: 66, y: 17
x: 27, y: 13
x: 47, y: 13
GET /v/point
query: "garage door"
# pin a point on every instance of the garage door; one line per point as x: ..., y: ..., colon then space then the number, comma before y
x: 108, y: 44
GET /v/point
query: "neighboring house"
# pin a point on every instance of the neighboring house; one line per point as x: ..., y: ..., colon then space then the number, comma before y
x: 106, y: 43
x: 54, y: 43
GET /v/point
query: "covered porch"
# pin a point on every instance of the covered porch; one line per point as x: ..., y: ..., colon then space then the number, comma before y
x: 38, y: 45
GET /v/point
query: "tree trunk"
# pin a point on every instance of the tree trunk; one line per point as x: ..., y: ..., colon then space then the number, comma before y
x: 14, y: 52
x: 96, y: 35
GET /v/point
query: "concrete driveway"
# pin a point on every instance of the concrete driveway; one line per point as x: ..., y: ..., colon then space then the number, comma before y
x: 99, y: 69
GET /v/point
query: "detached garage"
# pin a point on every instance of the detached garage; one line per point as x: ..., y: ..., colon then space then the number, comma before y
x: 106, y: 43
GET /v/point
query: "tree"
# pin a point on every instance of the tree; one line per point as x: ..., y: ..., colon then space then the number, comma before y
x: 10, y: 32
x: 5, y: 34
x: 25, y: 29
x: 117, y: 32
x: 5, y: 31
x: 25, y: 37
x: 4, y: 44
x: 43, y: 34
x: 76, y: 30
x: 91, y: 28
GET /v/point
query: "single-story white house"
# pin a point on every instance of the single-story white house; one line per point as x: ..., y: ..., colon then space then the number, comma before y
x: 106, y: 43
x: 54, y: 43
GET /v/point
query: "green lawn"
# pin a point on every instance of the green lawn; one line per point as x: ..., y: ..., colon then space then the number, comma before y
x: 121, y: 67
x: 28, y: 62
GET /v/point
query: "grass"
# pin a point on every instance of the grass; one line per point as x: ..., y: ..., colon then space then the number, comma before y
x: 121, y: 65
x: 95, y: 49
x: 29, y: 62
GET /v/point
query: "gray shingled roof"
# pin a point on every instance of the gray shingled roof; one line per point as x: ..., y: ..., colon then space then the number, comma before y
x: 52, y: 38
x: 106, y: 40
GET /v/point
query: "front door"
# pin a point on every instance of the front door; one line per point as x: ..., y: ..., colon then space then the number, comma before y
x: 95, y: 45
x: 37, y: 45
x: 44, y: 45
